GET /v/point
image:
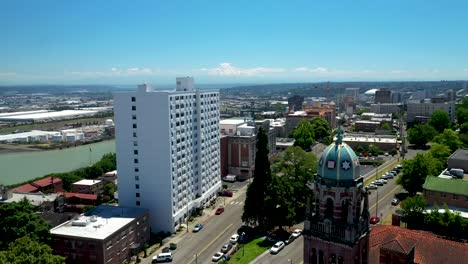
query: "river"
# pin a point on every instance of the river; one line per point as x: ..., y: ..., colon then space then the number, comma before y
x: 23, y: 166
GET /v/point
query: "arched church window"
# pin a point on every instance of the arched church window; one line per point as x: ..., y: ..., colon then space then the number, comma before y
x: 344, y: 211
x: 314, y: 256
x: 340, y: 260
x: 329, y: 209
x: 321, y: 257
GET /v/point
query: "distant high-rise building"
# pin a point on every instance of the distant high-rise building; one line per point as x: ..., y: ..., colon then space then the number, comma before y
x: 397, y: 97
x: 451, y: 95
x: 295, y: 103
x: 383, y: 96
x: 168, y: 151
x: 353, y: 92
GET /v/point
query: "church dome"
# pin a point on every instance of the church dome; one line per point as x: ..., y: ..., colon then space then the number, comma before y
x: 339, y: 162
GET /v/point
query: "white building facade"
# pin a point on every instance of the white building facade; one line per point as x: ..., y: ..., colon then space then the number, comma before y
x: 168, y: 151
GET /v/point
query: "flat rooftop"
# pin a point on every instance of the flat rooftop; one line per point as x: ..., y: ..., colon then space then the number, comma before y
x: 35, y: 199
x: 232, y: 121
x: 460, y: 154
x: 98, y: 223
x: 87, y: 182
x: 455, y: 186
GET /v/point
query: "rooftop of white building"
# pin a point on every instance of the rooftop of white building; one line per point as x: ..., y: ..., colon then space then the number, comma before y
x: 35, y: 199
x: 99, y: 223
x: 232, y: 121
x: 33, y: 133
x: 87, y: 182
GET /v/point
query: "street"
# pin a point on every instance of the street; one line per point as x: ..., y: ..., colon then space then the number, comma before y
x: 200, y: 247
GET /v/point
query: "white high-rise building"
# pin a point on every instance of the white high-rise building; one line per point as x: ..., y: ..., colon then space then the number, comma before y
x: 168, y: 153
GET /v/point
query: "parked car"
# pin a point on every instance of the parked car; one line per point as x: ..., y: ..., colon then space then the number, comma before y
x: 226, y: 248
x: 394, y: 172
x: 395, y: 201
x: 162, y: 257
x: 234, y: 238
x: 219, y: 211
x: 197, y: 228
x: 277, y: 247
x: 217, y: 256
x: 296, y: 233
x: 374, y: 220
x: 372, y: 187
x: 378, y: 183
x: 166, y: 250
x: 225, y: 193
x: 289, y: 240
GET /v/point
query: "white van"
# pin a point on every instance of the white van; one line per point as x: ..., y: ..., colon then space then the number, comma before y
x: 162, y: 257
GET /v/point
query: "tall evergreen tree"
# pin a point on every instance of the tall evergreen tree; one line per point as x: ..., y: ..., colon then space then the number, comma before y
x: 254, y: 207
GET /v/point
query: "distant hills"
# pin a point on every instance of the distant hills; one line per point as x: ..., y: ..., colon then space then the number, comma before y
x: 304, y: 89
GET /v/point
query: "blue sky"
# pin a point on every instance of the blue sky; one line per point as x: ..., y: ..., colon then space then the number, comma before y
x: 221, y: 41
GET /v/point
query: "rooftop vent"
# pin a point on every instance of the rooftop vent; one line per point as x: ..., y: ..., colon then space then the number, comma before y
x: 79, y: 223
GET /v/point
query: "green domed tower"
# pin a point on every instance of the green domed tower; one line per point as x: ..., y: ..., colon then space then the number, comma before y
x: 337, y: 222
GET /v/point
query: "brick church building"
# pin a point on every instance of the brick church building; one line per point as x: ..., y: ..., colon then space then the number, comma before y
x: 337, y: 231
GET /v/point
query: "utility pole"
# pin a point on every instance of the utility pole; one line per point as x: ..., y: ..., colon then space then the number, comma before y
x: 377, y: 204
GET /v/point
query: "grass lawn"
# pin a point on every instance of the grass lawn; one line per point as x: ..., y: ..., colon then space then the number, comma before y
x: 252, y: 250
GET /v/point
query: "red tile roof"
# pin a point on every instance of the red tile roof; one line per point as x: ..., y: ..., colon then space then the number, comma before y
x: 47, y: 181
x: 26, y: 188
x: 428, y: 247
x: 83, y: 196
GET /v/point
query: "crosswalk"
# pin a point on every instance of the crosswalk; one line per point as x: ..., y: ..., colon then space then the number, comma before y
x: 236, y: 203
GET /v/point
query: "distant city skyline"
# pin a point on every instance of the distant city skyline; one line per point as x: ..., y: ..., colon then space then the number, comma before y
x: 114, y: 42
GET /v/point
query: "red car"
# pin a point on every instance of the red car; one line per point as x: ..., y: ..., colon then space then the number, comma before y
x: 219, y: 211
x: 225, y: 193
x: 374, y: 220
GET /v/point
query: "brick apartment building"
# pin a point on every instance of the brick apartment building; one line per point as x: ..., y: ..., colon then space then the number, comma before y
x: 238, y: 148
x: 106, y: 234
x: 88, y: 186
x: 453, y: 192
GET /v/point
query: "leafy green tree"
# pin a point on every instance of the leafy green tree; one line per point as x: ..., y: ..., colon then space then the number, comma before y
x: 108, y: 192
x: 421, y: 134
x: 304, y: 135
x: 254, y: 207
x: 413, y: 211
x: 462, y: 112
x: 440, y: 120
x: 297, y: 167
x: 440, y: 153
x: 18, y: 220
x: 415, y: 172
x: 321, y: 128
x: 449, y: 138
x: 24, y: 250
x: 386, y: 126
x: 279, y: 204
x: 464, y: 128
x: 68, y: 178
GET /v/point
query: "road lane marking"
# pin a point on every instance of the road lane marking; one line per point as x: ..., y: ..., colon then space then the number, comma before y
x: 385, y: 196
x: 211, y: 243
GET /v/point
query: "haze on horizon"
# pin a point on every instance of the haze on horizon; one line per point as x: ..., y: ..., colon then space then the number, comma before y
x: 113, y: 42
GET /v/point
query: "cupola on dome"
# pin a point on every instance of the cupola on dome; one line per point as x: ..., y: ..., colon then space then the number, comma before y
x: 338, y: 161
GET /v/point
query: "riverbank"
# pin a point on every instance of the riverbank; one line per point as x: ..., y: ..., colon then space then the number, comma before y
x: 23, y: 165
x: 15, y: 147
x: 10, y: 148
